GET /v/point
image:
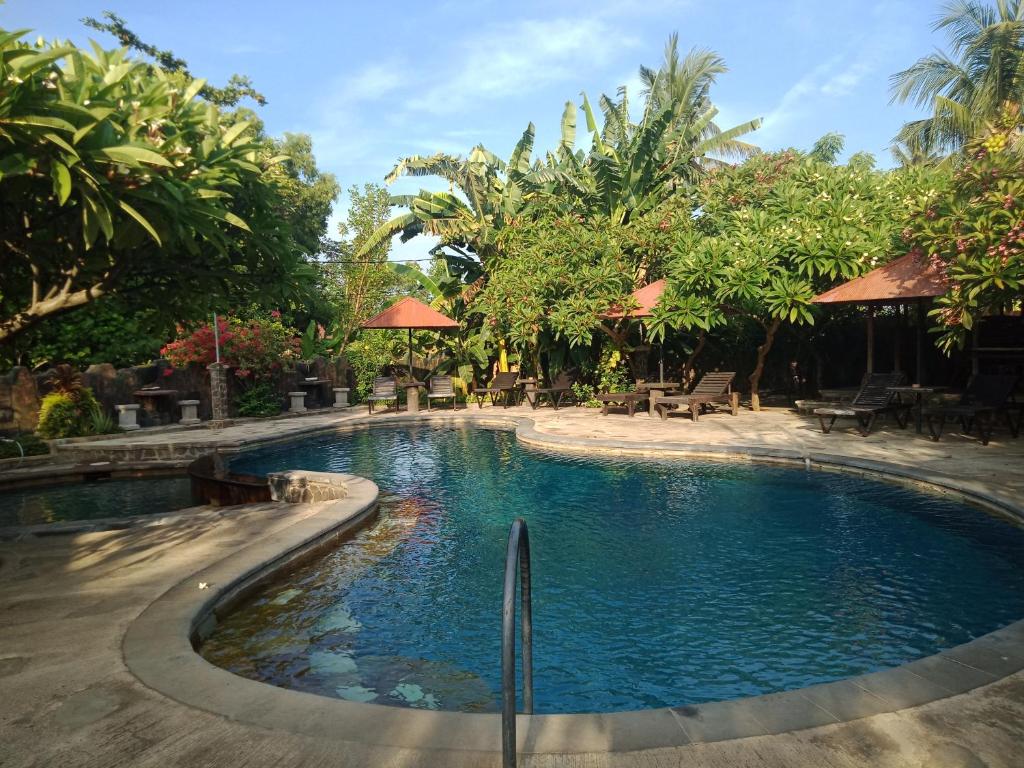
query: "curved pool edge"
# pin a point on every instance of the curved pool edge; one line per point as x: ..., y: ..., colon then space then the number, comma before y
x: 158, y: 647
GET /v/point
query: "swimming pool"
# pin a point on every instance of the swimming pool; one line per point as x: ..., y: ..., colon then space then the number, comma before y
x: 655, y: 583
x: 94, y: 500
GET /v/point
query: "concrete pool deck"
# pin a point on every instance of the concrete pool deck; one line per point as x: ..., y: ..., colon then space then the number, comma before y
x: 68, y: 602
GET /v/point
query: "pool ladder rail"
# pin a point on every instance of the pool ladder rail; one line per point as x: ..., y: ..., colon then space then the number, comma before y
x: 517, y: 560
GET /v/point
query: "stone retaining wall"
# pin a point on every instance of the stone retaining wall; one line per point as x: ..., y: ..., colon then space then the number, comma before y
x: 22, y: 391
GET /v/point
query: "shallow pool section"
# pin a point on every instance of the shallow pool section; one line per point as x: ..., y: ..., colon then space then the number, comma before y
x: 94, y: 500
x: 655, y: 583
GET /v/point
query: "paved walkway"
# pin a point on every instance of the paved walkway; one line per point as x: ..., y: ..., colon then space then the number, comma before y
x: 66, y: 602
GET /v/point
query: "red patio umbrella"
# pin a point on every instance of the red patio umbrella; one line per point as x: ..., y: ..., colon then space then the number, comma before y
x: 411, y: 314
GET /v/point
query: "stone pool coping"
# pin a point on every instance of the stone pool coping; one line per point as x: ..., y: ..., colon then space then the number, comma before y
x: 158, y: 646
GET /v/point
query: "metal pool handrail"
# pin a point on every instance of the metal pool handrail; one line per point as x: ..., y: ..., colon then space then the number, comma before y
x: 517, y: 554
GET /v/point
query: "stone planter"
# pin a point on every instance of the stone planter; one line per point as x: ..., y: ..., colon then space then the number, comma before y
x: 127, y: 416
x: 189, y: 411
x: 341, y: 397
x: 298, y: 402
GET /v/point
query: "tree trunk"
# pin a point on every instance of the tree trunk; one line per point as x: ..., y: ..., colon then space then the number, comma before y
x: 762, y: 352
x: 702, y: 338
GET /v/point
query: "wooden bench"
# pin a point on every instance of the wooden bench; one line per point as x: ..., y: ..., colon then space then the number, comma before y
x: 628, y: 400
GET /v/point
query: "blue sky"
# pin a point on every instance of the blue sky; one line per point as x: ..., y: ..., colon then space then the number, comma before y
x: 372, y: 82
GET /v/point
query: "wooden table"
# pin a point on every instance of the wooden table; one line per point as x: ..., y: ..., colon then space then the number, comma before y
x: 150, y: 398
x: 656, y: 390
x: 315, y: 384
x: 918, y: 404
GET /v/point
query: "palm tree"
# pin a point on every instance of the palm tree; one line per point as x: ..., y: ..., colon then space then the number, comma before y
x: 972, y: 85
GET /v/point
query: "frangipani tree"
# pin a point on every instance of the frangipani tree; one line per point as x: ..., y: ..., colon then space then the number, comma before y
x: 975, y: 228
x: 777, y: 230
x: 113, y: 181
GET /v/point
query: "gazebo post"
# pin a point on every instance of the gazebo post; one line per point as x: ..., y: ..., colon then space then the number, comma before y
x: 871, y: 339
x: 897, y: 358
x: 920, y: 340
x: 410, y: 353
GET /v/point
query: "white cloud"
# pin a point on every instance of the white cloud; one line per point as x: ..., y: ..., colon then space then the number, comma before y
x: 515, y: 59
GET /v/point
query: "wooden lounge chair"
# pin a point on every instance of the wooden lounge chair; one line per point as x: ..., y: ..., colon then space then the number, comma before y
x: 715, y: 387
x: 504, y: 385
x: 441, y: 389
x: 987, y: 395
x: 872, y: 400
x: 385, y: 389
x: 630, y: 400
x: 560, y: 388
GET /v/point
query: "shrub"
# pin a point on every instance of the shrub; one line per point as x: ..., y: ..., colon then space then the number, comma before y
x: 30, y: 444
x: 256, y: 349
x: 259, y: 400
x: 368, y: 356
x: 65, y: 415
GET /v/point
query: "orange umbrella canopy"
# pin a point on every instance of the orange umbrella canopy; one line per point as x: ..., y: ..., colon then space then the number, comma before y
x: 645, y: 298
x: 411, y: 313
x: 905, y: 279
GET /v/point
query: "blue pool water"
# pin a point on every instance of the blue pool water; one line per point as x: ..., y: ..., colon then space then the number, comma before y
x: 655, y: 583
x: 94, y: 500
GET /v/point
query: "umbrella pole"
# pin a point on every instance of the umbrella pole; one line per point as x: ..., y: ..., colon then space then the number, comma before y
x: 410, y: 353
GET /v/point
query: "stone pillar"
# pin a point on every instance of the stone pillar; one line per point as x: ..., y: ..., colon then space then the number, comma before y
x: 298, y: 402
x: 341, y: 397
x: 219, y: 390
x: 189, y: 411
x: 127, y: 416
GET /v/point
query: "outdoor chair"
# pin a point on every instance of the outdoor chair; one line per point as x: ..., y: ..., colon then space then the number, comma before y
x: 441, y: 389
x: 385, y: 389
x: 714, y: 387
x: 504, y: 385
x: 629, y: 400
x: 987, y: 395
x: 560, y: 388
x: 872, y: 400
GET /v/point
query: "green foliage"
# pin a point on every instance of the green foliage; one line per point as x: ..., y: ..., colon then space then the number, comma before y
x: 115, y: 179
x: 780, y: 228
x: 68, y: 415
x: 239, y: 86
x: 554, y: 280
x: 369, y: 355
x: 31, y: 445
x: 260, y: 399
x: 101, y: 332
x: 975, y: 230
x: 356, y: 277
